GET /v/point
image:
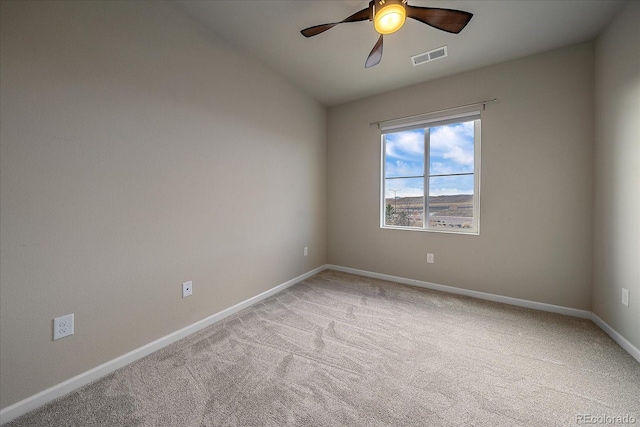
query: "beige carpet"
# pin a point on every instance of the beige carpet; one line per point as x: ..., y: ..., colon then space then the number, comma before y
x: 343, y: 350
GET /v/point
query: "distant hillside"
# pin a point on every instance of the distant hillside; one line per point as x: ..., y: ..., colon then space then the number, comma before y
x: 457, y: 205
x: 444, y: 200
x: 457, y: 198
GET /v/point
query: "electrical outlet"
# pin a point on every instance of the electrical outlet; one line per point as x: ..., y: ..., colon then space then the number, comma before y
x: 305, y: 251
x: 187, y: 289
x: 430, y: 258
x: 63, y: 326
x: 625, y: 297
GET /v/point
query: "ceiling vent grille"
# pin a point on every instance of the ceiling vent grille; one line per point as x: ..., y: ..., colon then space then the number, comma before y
x: 432, y: 55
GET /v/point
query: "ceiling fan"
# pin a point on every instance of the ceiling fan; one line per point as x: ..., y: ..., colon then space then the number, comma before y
x: 389, y: 15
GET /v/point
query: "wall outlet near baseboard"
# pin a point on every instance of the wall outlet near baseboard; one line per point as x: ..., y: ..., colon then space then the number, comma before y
x: 187, y: 289
x: 625, y: 297
x: 62, y: 326
x: 305, y: 251
x: 430, y: 258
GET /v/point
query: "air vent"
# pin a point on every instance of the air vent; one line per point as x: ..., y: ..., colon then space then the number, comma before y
x: 432, y: 55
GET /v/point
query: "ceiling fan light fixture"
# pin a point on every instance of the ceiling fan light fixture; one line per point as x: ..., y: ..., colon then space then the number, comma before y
x: 389, y: 15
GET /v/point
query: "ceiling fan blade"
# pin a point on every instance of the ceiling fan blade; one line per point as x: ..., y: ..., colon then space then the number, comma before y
x: 376, y: 54
x: 452, y: 21
x: 362, y: 15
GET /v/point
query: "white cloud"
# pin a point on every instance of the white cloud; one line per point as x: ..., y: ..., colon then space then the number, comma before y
x: 448, y: 191
x: 407, y: 146
x: 451, y: 185
x: 443, y: 168
x: 453, y: 142
x: 452, y: 151
x: 459, y: 156
x: 401, y: 168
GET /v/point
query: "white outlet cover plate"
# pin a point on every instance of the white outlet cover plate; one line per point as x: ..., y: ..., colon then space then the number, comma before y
x: 430, y: 258
x: 63, y: 326
x: 625, y: 297
x: 187, y: 289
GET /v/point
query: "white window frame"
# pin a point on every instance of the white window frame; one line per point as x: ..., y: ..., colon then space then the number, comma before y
x: 399, y: 126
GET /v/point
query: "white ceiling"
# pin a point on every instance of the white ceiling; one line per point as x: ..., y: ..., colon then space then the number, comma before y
x: 330, y: 66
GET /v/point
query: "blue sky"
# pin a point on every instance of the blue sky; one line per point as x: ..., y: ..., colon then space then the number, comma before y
x: 451, y: 152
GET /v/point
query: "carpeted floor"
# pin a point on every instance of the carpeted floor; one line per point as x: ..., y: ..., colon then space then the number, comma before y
x: 343, y: 350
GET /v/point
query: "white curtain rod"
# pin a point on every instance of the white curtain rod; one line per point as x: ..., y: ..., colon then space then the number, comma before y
x: 483, y: 103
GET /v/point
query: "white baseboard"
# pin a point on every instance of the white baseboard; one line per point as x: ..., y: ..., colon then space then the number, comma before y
x: 20, y: 408
x: 584, y: 314
x: 622, y: 341
x: 574, y: 312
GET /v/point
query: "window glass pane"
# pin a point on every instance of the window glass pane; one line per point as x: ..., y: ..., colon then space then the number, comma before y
x: 404, y: 153
x: 449, y: 170
x: 451, y: 202
x: 404, y: 202
x: 451, y: 149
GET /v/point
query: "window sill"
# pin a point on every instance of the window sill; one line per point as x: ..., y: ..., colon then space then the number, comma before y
x: 452, y: 230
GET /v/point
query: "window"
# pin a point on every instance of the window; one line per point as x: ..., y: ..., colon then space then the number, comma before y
x: 431, y: 174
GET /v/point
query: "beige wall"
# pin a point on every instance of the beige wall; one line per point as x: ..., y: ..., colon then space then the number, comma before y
x: 535, y: 233
x: 617, y: 174
x: 138, y: 151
